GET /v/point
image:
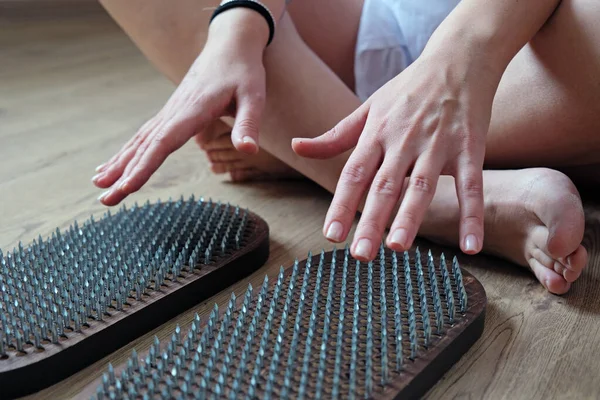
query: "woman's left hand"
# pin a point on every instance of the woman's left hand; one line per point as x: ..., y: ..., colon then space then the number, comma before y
x: 430, y: 120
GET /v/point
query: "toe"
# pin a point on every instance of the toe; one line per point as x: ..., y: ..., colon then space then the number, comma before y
x: 577, y: 260
x: 223, y: 167
x: 550, y: 279
x: 223, y: 142
x: 216, y: 130
x: 200, y: 141
x: 570, y: 276
x: 556, y: 284
x: 574, y: 264
x: 217, y: 156
x: 566, y: 227
x: 245, y: 175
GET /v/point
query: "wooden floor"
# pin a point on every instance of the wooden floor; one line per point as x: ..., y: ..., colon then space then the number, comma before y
x: 72, y: 92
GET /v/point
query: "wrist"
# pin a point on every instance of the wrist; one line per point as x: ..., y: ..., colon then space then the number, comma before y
x: 469, y: 57
x: 474, y: 46
x: 240, y: 26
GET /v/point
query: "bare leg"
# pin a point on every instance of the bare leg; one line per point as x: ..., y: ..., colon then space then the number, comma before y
x: 546, y: 109
x: 544, y: 112
x: 306, y: 97
x: 241, y: 167
x: 520, y: 223
x: 172, y: 37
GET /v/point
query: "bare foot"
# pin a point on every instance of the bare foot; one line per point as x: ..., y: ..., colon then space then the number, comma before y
x: 224, y: 158
x: 533, y: 217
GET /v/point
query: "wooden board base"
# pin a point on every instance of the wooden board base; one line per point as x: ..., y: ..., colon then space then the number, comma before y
x: 22, y: 373
x: 311, y: 346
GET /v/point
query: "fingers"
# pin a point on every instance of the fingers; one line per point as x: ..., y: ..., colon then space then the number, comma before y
x: 110, y: 171
x: 383, y: 197
x: 353, y: 183
x: 419, y: 192
x: 135, y: 138
x: 341, y: 138
x: 114, y: 170
x: 469, y: 188
x: 244, y: 134
x: 150, y: 155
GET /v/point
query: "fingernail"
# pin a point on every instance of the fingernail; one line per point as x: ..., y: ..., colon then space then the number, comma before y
x: 248, y: 139
x: 569, y: 261
x: 363, y: 248
x: 470, y: 243
x: 99, y: 167
x: 124, y: 186
x: 103, y: 195
x: 335, y: 231
x: 95, y: 178
x: 400, y: 237
x: 546, y: 283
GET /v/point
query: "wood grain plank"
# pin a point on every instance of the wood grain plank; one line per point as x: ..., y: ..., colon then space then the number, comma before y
x: 48, y: 9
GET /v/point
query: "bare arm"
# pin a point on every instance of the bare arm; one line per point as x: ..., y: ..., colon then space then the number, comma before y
x: 430, y: 120
x: 226, y: 78
x: 164, y: 31
x: 488, y: 34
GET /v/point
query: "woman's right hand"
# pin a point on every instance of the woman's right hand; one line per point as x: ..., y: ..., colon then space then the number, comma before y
x: 227, y: 79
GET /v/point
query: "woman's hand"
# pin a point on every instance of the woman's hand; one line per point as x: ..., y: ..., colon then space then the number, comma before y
x: 227, y: 79
x: 432, y: 119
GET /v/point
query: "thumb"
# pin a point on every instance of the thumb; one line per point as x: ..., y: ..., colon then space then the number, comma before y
x: 337, y: 140
x: 244, y: 134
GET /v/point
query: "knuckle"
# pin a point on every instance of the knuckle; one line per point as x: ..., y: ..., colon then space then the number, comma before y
x: 472, y: 220
x: 409, y: 217
x: 161, y: 139
x: 470, y: 139
x: 471, y: 187
x: 354, y: 174
x: 369, y: 226
x: 199, y: 100
x: 449, y: 103
x: 469, y: 143
x: 145, y: 130
x: 336, y: 133
x: 342, y: 210
x: 382, y: 125
x: 137, y: 141
x: 256, y: 96
x: 247, y: 124
x: 422, y: 184
x: 385, y: 185
x: 160, y: 136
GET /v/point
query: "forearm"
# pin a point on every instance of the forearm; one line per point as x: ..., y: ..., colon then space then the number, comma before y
x: 171, y: 37
x: 490, y: 33
x: 247, y: 26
